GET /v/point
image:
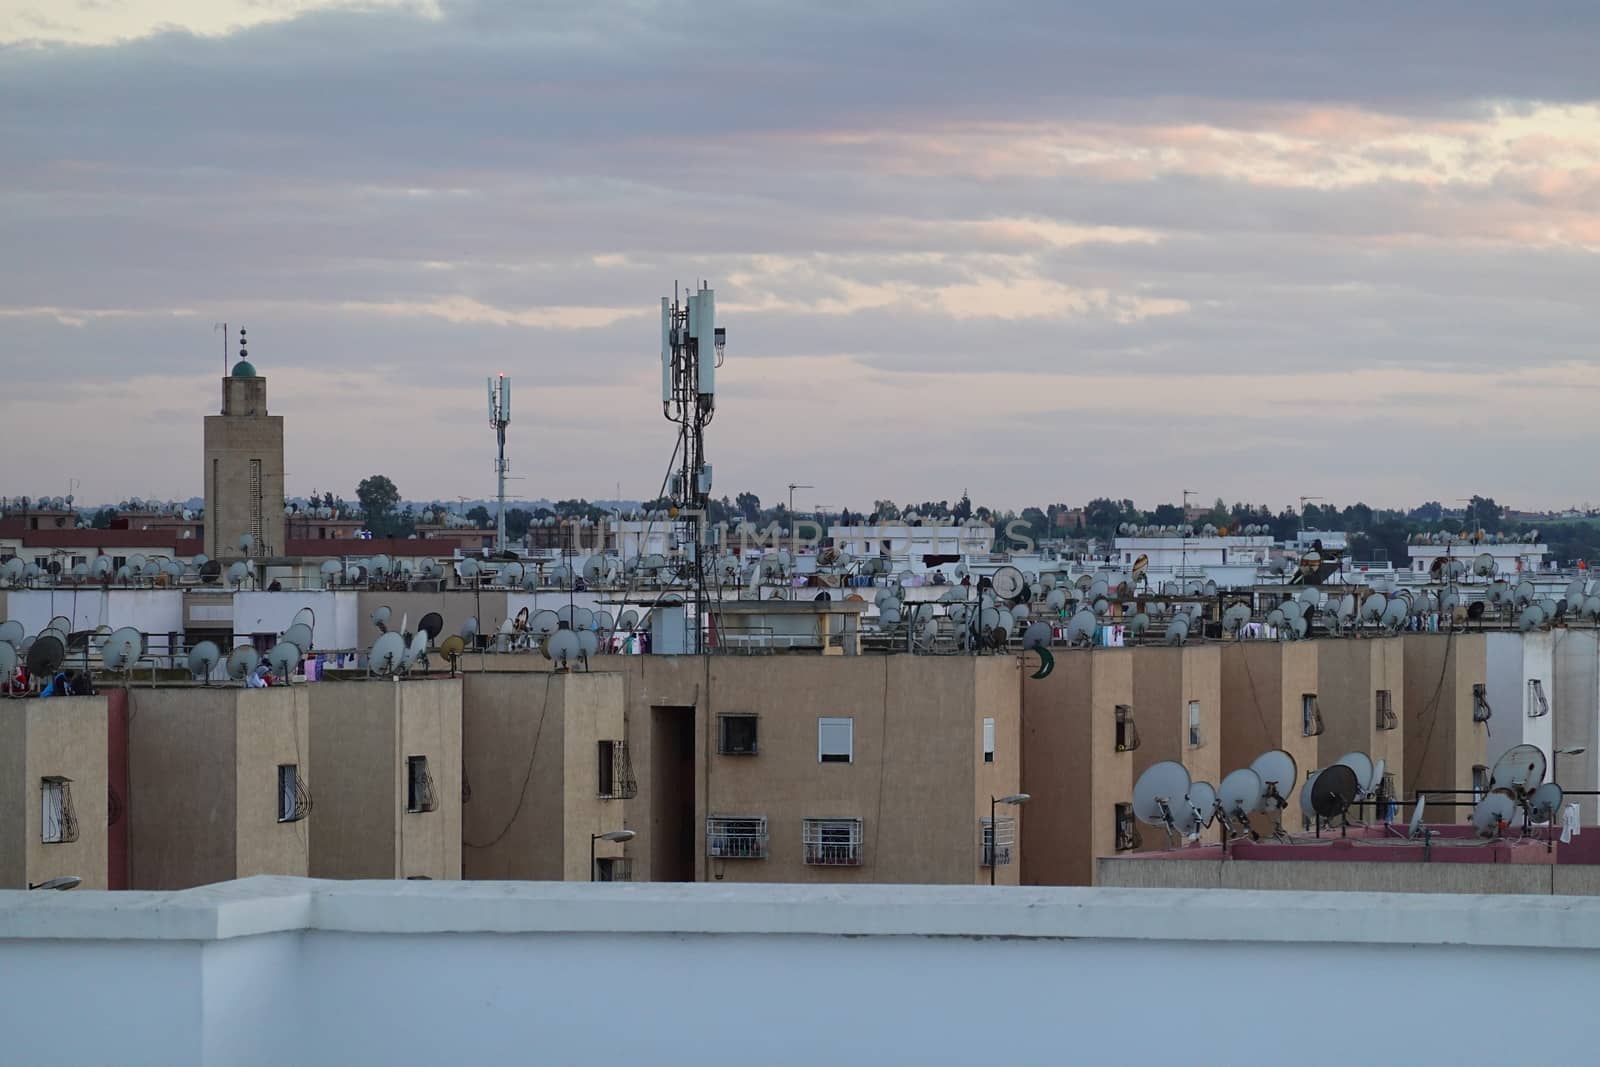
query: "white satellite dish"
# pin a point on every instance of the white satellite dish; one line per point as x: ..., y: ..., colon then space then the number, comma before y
x: 387, y: 655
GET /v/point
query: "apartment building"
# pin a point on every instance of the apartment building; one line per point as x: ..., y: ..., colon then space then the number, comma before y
x: 388, y: 800
x: 1080, y: 731
x: 1177, y: 696
x: 1447, y: 711
x: 220, y: 784
x: 1576, y: 663
x: 1520, y: 675
x: 1270, y: 697
x: 53, y: 796
x: 1361, y: 694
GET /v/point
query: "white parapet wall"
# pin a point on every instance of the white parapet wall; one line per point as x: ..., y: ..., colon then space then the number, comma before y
x: 276, y: 971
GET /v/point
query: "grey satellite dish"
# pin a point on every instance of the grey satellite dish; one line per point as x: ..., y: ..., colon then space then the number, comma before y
x: 1080, y: 630
x: 1545, y: 802
x: 1241, y: 793
x: 469, y: 628
x: 467, y: 570
x: 1361, y: 764
x: 1415, y: 829
x: 1305, y: 792
x: 1520, y: 767
x: 1483, y: 566
x: 299, y: 635
x: 203, y: 659
x: 1235, y: 619
x: 1298, y: 628
x: 1195, y: 813
x: 628, y: 620
x: 1159, y: 792
x: 1347, y: 607
x: 246, y: 542
x: 1138, y: 624
x: 1037, y: 636
x: 380, y: 617
x: 122, y: 649
x: 1373, y: 607
x: 242, y: 662
x: 582, y: 618
x: 330, y: 570
x: 1008, y: 583
x: 103, y: 567
x: 1292, y: 609
x: 417, y: 649
x: 200, y: 560
x: 1276, y: 769
x: 1493, y: 812
x: 563, y: 647
x: 1379, y: 769
x: 1178, y: 630
x: 284, y: 659
x: 305, y: 616
x: 544, y: 622
x: 12, y: 632
x: 594, y: 568
x: 1276, y: 618
x: 588, y: 642
x: 237, y: 573
x: 387, y: 655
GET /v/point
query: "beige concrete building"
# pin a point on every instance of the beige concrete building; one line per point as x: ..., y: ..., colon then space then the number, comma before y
x: 243, y: 474
x: 820, y: 768
x: 388, y: 804
x: 220, y: 784
x: 1080, y: 731
x: 1362, y: 693
x: 1446, y: 711
x: 1177, y: 697
x: 1270, y: 700
x: 547, y: 769
x: 53, y: 791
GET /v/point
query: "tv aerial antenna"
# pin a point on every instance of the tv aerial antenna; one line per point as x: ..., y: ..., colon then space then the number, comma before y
x: 692, y: 348
x: 499, y: 419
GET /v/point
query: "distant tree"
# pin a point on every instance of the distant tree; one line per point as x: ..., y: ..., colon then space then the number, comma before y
x: 379, y: 498
x: 328, y: 502
x: 963, y: 509
x: 1485, y: 512
x: 480, y: 517
x: 1167, y: 515
x: 102, y: 518
x: 748, y: 505
x: 517, y: 522
x: 885, y: 511
x: 1432, y: 511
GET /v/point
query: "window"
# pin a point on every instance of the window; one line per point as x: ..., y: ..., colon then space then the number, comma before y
x: 1196, y: 736
x: 997, y: 836
x: 1310, y: 715
x: 615, y: 778
x: 836, y: 740
x: 736, y: 735
x: 832, y: 842
x: 1537, y: 704
x: 419, y: 785
x: 118, y: 562
x: 1480, y: 781
x: 1387, y: 720
x: 58, y: 824
x: 1127, y: 831
x: 736, y: 837
x: 1480, y: 703
x: 988, y: 740
x: 294, y: 802
x: 1127, y: 732
x: 613, y: 869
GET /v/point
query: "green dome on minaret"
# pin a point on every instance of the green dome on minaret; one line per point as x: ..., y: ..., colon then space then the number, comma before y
x: 244, y: 369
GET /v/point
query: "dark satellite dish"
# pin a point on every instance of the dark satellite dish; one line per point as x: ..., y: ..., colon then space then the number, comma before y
x: 210, y: 571
x: 1335, y: 790
x: 45, y: 655
x: 432, y: 624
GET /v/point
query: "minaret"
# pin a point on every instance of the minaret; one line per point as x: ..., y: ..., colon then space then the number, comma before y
x: 244, y: 468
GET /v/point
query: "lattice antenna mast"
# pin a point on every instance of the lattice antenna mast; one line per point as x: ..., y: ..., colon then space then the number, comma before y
x: 500, y: 418
x: 691, y: 351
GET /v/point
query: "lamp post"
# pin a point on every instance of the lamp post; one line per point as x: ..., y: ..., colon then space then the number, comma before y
x: 792, y: 487
x: 66, y: 881
x: 614, y: 835
x: 1015, y: 800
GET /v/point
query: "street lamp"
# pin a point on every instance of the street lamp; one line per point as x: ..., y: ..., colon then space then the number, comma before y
x: 1015, y: 800
x: 1571, y: 750
x: 66, y: 881
x: 614, y: 835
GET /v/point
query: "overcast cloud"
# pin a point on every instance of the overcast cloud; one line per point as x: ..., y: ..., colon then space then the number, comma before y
x: 1036, y: 251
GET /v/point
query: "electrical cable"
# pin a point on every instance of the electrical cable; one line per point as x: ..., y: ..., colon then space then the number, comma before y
x: 522, y: 794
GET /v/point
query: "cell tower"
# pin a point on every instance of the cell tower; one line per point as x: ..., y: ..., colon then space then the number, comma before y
x: 691, y: 351
x: 500, y: 418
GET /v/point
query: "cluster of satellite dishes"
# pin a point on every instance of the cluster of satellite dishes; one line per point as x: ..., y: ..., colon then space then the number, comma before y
x: 1516, y: 786
x: 1166, y: 796
x: 138, y: 570
x: 1133, y: 529
x: 1444, y: 538
x: 567, y: 636
x: 320, y: 512
x: 41, y: 654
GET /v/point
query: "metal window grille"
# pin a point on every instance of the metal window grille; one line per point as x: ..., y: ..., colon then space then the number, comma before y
x: 1127, y: 829
x: 1480, y: 781
x: 835, y: 740
x: 59, y: 822
x: 294, y: 799
x: 1387, y: 720
x: 997, y: 836
x: 613, y: 869
x: 1127, y: 730
x: 1481, y: 712
x: 1310, y: 715
x: 988, y: 740
x: 832, y: 842
x: 737, y: 735
x: 736, y: 837
x: 1196, y: 735
x: 616, y: 781
x: 1537, y: 704
x: 420, y: 794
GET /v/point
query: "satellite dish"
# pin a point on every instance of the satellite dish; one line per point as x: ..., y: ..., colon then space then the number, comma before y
x: 1373, y: 607
x: 12, y: 632
x: 628, y: 620
x: 469, y: 628
x: 1520, y: 767
x: 1178, y: 631
x: 562, y: 647
x: 1493, y: 812
x: 1159, y: 792
x: 1361, y: 764
x: 1196, y: 811
x: 467, y: 570
x: 122, y: 649
x: 1241, y: 793
x: 284, y: 659
x: 1235, y: 619
x: 588, y: 642
x: 431, y: 624
x: 1080, y: 630
x: 242, y: 662
x: 45, y: 655
x: 1376, y: 781
x: 237, y: 573
x: 1008, y: 583
x: 1394, y: 615
x: 417, y: 650
x: 452, y: 646
x: 8, y: 660
x: 380, y: 618
x: 1545, y: 802
x: 1277, y: 772
x: 203, y: 659
x: 246, y: 542
x: 1138, y: 624
x: 1415, y: 829
x: 305, y: 617
x: 1333, y: 791
x: 1483, y: 566
x: 544, y: 622
x: 1347, y: 607
x: 299, y: 635
x: 1037, y: 636
x: 387, y: 655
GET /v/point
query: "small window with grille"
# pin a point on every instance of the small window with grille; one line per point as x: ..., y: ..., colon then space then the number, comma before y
x: 1537, y: 704
x: 997, y: 838
x: 294, y: 800
x: 1196, y: 735
x: 736, y: 735
x: 1480, y: 781
x: 1127, y: 829
x: 736, y: 837
x: 615, y: 772
x: 1310, y: 715
x: 832, y: 842
x: 58, y: 822
x: 613, y: 869
x: 1127, y: 731
x: 1481, y: 711
x: 420, y: 795
x: 1384, y: 702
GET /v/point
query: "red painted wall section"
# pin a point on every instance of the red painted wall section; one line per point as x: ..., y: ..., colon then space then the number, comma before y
x: 117, y: 782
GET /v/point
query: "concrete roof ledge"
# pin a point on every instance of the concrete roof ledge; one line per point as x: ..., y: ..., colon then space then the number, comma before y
x: 268, y: 905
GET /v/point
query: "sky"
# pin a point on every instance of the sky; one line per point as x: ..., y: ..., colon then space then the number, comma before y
x: 1038, y: 251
